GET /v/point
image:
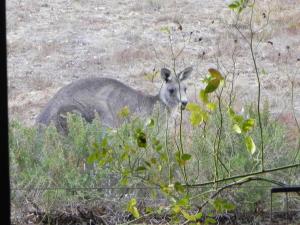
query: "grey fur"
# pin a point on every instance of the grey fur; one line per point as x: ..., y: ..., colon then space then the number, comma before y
x: 107, y: 97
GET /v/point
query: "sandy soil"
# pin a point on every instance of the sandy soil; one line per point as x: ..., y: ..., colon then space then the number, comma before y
x: 53, y: 42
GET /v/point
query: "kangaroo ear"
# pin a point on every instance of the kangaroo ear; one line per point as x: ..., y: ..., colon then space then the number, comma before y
x: 185, y: 73
x: 165, y: 74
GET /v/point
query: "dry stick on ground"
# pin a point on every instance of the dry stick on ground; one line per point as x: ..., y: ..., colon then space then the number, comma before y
x: 243, y: 181
x: 218, y: 191
x: 139, y: 219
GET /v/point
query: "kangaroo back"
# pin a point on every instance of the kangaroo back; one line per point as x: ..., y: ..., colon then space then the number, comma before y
x: 95, y: 95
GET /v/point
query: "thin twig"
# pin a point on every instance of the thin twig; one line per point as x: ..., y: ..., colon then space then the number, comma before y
x: 246, y: 175
x: 240, y: 182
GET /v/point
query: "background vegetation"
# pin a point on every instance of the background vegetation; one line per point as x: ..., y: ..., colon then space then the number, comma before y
x: 214, y: 161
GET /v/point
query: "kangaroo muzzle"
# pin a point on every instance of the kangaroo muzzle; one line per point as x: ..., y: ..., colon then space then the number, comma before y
x: 183, y: 104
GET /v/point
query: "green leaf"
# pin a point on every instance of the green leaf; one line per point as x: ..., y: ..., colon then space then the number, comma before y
x: 199, y: 215
x: 229, y: 206
x: 124, y: 181
x: 250, y: 145
x: 104, y: 152
x: 165, y: 30
x: 131, y: 207
x: 233, y: 5
x: 150, y: 122
x: 209, y: 220
x: 178, y: 187
x: 205, y: 116
x: 135, y: 212
x: 149, y: 210
x: 235, y: 117
x: 132, y: 202
x: 218, y: 205
x: 153, y: 160
x: 95, y: 156
x: 216, y: 74
x: 141, y: 139
x: 212, y: 85
x: 182, y: 159
x: 193, y: 107
x: 222, y: 82
x: 104, y: 143
x: 222, y: 205
x: 207, y: 79
x: 211, y: 106
x: 231, y: 113
x: 151, y: 75
x: 159, y: 167
x: 95, y: 146
x: 155, y: 141
x: 124, y: 156
x: 188, y: 217
x: 178, y: 156
x: 186, y: 157
x: 124, y: 112
x: 237, y: 5
x: 238, y: 119
x: 203, y: 96
x: 196, y: 118
x: 237, y: 129
x: 140, y: 168
x: 191, y: 217
x: 184, y: 201
x: 176, y: 209
x: 163, y: 157
x: 248, y: 125
x: 167, y: 188
x: 158, y: 147
x: 240, y: 9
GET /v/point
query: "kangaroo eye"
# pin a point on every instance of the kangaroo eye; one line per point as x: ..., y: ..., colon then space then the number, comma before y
x: 172, y: 90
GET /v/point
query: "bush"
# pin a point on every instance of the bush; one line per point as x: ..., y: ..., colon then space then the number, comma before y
x: 141, y: 154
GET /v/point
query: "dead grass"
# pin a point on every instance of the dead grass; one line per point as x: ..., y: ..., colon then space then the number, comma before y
x: 288, y: 120
x: 52, y: 43
x: 131, y: 55
x: 41, y: 83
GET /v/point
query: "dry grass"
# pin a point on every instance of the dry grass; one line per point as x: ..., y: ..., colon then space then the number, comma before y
x: 131, y: 55
x: 65, y: 40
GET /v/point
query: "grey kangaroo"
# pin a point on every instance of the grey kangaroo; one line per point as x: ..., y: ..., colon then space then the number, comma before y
x: 107, y: 97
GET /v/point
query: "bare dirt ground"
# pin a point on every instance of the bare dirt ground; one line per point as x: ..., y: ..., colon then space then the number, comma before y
x: 53, y: 42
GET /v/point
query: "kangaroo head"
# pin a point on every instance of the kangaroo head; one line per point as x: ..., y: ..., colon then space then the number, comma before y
x: 173, y: 92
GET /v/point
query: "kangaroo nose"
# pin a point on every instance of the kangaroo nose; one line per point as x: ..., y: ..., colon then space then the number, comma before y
x: 183, y: 104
